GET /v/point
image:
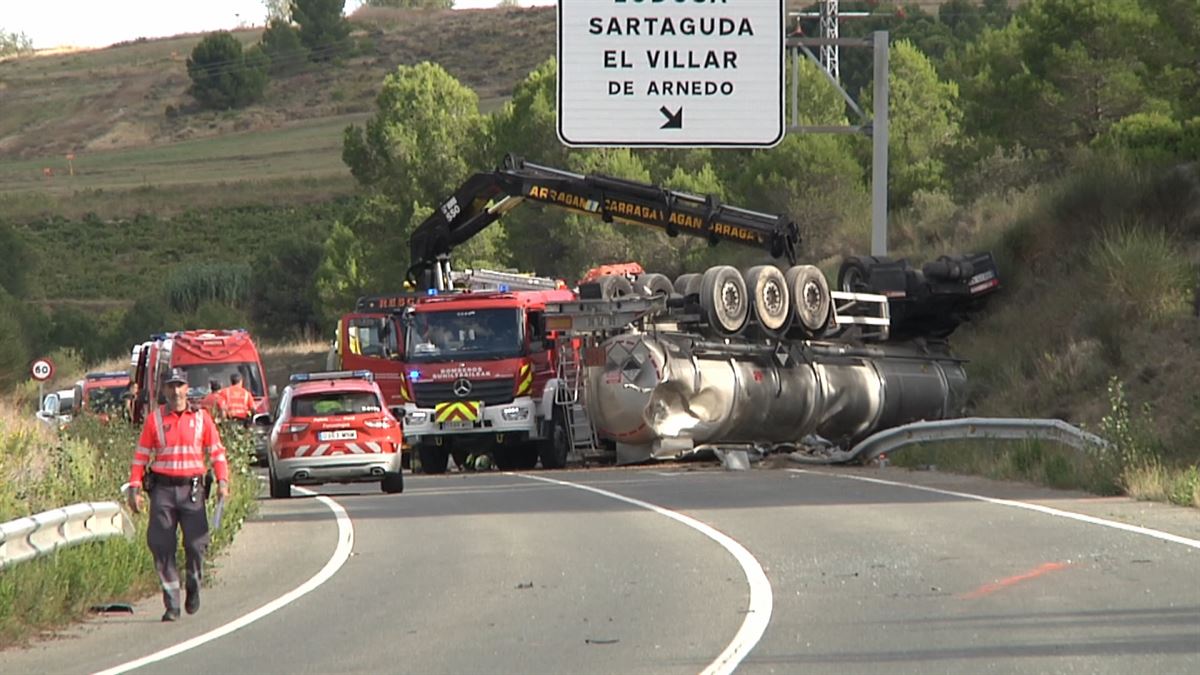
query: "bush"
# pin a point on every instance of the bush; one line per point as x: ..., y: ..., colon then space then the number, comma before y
x: 88, y: 462
x: 223, y: 76
x: 189, y: 287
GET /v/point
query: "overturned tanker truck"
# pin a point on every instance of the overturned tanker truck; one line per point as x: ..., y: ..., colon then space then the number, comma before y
x: 650, y: 368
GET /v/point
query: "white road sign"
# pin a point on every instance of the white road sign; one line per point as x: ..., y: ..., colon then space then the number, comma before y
x: 42, y: 370
x: 660, y: 73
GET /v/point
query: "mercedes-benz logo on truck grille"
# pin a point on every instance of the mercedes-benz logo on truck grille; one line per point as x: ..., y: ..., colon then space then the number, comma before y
x: 462, y: 387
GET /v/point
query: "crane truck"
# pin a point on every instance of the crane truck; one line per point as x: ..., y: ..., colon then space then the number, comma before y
x: 632, y: 366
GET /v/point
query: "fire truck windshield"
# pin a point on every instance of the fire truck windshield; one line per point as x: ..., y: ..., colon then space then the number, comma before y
x: 200, y: 375
x: 464, y: 334
x: 107, y: 399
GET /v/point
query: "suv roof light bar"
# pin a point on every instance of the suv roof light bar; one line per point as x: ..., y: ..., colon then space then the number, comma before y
x: 333, y: 375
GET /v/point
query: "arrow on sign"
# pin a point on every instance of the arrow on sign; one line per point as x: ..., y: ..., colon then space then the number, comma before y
x: 674, y: 119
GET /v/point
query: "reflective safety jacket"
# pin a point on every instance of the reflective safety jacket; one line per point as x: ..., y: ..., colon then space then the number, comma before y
x: 175, y: 443
x: 236, y: 402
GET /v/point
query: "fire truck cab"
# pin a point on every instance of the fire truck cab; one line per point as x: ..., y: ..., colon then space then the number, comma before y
x: 206, y: 356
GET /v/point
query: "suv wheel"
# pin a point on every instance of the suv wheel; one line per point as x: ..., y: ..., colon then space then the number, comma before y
x: 281, y: 488
x: 393, y: 483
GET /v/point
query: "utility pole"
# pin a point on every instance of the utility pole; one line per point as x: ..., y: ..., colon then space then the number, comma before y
x: 829, y: 17
x: 875, y: 125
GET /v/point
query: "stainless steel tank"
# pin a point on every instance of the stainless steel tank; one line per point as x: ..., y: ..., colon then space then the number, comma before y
x: 659, y: 395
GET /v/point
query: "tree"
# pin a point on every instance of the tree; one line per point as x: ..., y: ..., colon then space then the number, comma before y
x: 923, y: 123
x: 278, y: 10
x: 14, y: 43
x: 14, y: 278
x: 415, y: 147
x: 223, y: 76
x: 526, y: 124
x: 281, y: 43
x: 283, y: 288
x: 1061, y: 73
x: 342, y: 275
x: 323, y: 28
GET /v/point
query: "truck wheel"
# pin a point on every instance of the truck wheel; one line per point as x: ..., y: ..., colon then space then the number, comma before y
x: 853, y: 274
x: 652, y: 284
x: 770, y: 297
x: 724, y: 299
x: 553, y: 451
x: 614, y: 287
x: 433, y: 458
x: 392, y: 483
x: 810, y: 296
x: 684, y: 282
x: 281, y: 488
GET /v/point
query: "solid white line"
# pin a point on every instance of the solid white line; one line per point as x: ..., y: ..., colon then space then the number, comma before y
x: 758, y: 611
x: 1083, y: 518
x: 340, y: 554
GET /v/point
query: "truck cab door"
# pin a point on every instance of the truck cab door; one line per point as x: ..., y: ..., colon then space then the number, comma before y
x: 374, y: 342
x: 541, y: 349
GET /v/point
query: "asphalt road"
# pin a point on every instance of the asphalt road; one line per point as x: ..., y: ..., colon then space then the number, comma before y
x: 496, y: 573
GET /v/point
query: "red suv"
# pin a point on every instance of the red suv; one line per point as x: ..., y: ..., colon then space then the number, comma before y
x: 333, y: 427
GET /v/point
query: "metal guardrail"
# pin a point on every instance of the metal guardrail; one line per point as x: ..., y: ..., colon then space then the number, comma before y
x: 961, y: 429
x: 46, y: 532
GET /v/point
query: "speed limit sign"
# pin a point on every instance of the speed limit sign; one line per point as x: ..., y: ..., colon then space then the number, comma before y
x: 42, y: 370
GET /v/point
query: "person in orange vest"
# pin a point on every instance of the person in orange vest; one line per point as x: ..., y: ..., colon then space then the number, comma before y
x: 211, y: 402
x: 169, y: 463
x: 235, y: 402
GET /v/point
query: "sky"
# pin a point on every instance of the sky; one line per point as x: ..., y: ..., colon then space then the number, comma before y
x: 99, y: 23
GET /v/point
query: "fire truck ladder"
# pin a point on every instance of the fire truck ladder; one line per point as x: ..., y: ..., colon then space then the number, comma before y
x: 572, y: 375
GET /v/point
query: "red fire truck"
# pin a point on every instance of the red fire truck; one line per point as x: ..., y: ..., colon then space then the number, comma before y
x: 206, y: 356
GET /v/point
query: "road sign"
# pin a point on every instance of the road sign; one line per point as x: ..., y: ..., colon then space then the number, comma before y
x: 42, y: 370
x: 661, y: 73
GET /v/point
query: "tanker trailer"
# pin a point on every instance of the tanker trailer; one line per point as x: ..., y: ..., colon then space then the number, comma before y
x: 661, y: 395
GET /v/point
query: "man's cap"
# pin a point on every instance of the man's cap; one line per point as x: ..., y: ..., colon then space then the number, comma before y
x: 177, y: 375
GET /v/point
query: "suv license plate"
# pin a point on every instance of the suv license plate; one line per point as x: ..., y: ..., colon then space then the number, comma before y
x: 344, y: 435
x: 458, y: 425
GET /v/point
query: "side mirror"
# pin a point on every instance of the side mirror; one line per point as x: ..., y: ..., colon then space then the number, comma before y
x: 262, y: 420
x: 397, y: 412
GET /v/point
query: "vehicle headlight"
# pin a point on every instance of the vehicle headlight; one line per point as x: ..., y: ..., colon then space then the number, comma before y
x: 514, y: 413
x: 416, y: 417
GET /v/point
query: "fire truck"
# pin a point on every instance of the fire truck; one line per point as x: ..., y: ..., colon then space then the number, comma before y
x: 634, y: 366
x: 206, y: 356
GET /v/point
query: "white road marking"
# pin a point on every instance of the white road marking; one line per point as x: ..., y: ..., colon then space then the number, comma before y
x: 1084, y: 518
x: 340, y: 554
x: 758, y: 611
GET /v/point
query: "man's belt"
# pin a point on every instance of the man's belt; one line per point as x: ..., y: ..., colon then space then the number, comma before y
x: 164, y: 479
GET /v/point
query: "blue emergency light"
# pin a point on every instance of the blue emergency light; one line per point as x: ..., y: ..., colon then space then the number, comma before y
x: 431, y: 291
x: 414, y: 375
x: 503, y: 288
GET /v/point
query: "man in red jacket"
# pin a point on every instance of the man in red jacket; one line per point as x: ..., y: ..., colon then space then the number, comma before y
x: 174, y: 441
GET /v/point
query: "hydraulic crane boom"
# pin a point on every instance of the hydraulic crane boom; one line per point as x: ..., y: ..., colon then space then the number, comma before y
x: 486, y: 196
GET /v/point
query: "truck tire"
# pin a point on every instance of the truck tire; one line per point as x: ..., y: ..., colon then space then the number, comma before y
x: 652, y: 284
x: 281, y: 488
x: 554, y: 449
x: 392, y: 483
x: 434, y: 458
x: 614, y: 287
x: 810, y: 296
x: 853, y: 274
x: 686, y: 284
x: 771, y: 298
x: 724, y: 299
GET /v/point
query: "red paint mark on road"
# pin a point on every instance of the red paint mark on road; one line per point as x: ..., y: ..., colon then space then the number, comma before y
x: 988, y: 589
